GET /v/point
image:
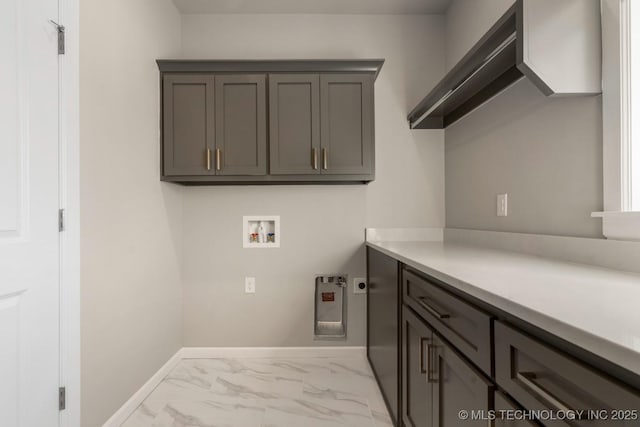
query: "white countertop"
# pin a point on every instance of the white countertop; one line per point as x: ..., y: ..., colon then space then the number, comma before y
x: 592, y: 307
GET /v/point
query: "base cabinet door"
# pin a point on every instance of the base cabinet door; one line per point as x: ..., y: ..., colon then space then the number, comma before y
x: 417, y: 393
x: 383, y: 326
x: 462, y: 395
x: 508, y: 413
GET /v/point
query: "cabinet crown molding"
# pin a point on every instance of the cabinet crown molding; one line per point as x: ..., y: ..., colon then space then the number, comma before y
x: 341, y: 66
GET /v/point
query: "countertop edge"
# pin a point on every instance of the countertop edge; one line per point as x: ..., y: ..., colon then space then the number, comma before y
x: 615, y: 353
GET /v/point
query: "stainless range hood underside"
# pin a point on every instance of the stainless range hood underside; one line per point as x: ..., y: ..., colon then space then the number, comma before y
x: 534, y: 39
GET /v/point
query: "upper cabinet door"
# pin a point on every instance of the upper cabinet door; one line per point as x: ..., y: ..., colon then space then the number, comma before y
x: 294, y: 124
x: 240, y: 125
x: 346, y: 111
x: 188, y: 136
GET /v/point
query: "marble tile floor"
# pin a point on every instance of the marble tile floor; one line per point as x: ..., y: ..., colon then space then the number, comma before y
x: 248, y: 392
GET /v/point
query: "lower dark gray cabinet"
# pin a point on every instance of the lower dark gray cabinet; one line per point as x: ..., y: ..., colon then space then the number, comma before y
x: 459, y: 389
x: 508, y: 413
x: 541, y: 378
x: 438, y: 383
x: 383, y: 326
x: 417, y: 389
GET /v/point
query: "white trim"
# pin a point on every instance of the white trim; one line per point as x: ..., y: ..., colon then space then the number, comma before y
x: 615, y: 214
x: 139, y: 396
x: 69, y: 16
x: 273, y: 352
x: 613, y: 105
x: 620, y: 225
x: 617, y: 222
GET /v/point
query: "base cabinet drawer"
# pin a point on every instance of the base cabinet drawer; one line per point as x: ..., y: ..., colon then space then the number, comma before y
x: 541, y: 378
x: 438, y: 383
x: 462, y: 324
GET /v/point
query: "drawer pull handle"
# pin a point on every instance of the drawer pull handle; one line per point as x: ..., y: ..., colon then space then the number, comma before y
x: 423, y: 369
x: 527, y: 378
x: 314, y: 159
x: 208, y: 159
x: 218, y: 152
x: 430, y: 309
x: 324, y: 159
x: 430, y: 377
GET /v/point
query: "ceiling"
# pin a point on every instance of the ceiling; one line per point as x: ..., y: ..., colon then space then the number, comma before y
x: 313, y: 6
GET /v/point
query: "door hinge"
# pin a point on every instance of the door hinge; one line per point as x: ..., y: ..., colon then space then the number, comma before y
x: 61, y: 220
x: 62, y: 398
x: 61, y: 31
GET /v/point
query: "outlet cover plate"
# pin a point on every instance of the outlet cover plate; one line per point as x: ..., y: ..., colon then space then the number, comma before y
x: 249, y: 285
x: 502, y: 205
x: 356, y: 288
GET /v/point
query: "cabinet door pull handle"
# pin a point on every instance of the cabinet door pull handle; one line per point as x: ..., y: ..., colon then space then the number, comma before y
x: 527, y: 378
x: 218, y: 151
x: 430, y: 377
x: 208, y: 159
x: 314, y: 159
x: 423, y: 369
x: 324, y: 159
x: 423, y: 302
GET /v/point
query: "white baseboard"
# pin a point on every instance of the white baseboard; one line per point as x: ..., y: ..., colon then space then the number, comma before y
x: 270, y: 352
x: 139, y: 396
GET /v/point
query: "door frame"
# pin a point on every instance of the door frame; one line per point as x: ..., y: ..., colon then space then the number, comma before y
x: 69, y: 184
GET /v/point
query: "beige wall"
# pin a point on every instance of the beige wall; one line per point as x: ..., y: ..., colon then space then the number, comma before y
x: 546, y: 153
x: 322, y: 226
x: 131, y: 223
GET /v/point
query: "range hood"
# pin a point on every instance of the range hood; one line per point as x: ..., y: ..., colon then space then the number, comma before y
x: 555, y: 44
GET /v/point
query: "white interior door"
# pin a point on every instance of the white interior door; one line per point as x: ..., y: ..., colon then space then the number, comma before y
x: 29, y: 238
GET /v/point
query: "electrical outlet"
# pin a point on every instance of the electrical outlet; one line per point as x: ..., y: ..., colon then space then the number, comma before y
x: 359, y: 285
x: 501, y: 208
x: 249, y: 285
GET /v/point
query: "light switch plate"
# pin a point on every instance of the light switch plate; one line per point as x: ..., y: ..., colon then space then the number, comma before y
x: 357, y: 281
x: 249, y: 285
x: 502, y: 205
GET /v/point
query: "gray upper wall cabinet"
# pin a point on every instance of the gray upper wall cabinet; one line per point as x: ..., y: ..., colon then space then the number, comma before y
x: 294, y: 124
x: 241, y: 125
x: 187, y: 128
x: 346, y: 103
x: 320, y: 125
